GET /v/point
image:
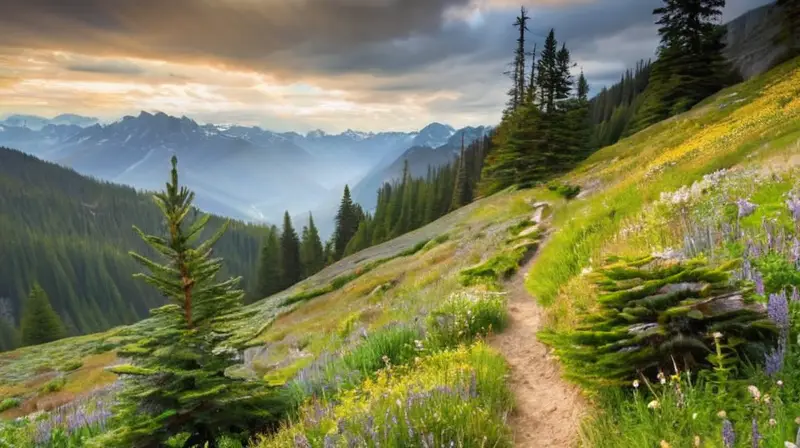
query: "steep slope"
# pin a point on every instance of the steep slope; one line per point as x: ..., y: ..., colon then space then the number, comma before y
x: 752, y: 43
x: 72, y: 234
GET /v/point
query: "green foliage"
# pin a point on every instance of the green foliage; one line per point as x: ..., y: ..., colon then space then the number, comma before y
x: 54, y: 385
x: 496, y: 268
x: 269, y: 270
x: 565, y: 190
x: 291, y: 266
x: 177, y: 383
x: 653, y: 314
x: 347, y: 221
x: 65, y: 231
x: 395, y: 345
x: 464, y: 317
x: 612, y: 110
x: 779, y: 273
x: 312, y: 254
x: 40, y: 323
x: 9, y: 403
x: 71, y: 365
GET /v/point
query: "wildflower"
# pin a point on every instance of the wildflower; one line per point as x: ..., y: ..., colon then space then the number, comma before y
x: 774, y: 360
x: 793, y: 204
x: 780, y: 383
x: 766, y: 398
x: 754, y: 392
x: 772, y: 422
x: 697, y: 441
x: 418, y: 344
x: 728, y: 436
x: 635, y: 384
x: 756, y: 435
x: 778, y: 312
x: 694, y: 416
x: 723, y: 414
x: 653, y: 404
x: 664, y: 444
x: 746, y: 208
x: 661, y: 378
x: 717, y: 335
x: 797, y: 420
x: 300, y: 441
x: 759, y: 281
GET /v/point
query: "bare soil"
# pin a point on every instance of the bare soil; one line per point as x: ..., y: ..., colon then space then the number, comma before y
x: 548, y: 410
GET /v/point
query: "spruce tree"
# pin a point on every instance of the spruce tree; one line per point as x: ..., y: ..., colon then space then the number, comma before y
x: 177, y: 382
x: 690, y: 65
x: 291, y: 267
x: 311, y: 251
x: 346, y: 223
x: 362, y: 239
x: 462, y: 191
x: 547, y: 71
x: 583, y: 88
x: 269, y: 268
x: 40, y: 323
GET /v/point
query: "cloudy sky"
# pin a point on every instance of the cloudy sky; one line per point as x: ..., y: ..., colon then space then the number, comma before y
x: 300, y: 64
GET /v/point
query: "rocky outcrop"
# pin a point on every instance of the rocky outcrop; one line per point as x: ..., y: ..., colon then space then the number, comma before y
x: 752, y: 41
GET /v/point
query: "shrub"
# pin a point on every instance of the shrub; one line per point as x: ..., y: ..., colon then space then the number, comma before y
x: 54, y: 385
x: 654, y: 314
x: 9, y: 403
x: 71, y: 365
x: 778, y: 273
x: 396, y: 345
x: 464, y: 317
x: 499, y: 267
x: 566, y: 190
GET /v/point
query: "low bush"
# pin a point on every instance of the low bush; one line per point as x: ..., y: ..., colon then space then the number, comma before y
x: 653, y: 314
x: 9, y: 403
x: 452, y: 398
x: 496, y: 268
x: 393, y: 345
x: 71, y: 365
x: 466, y: 316
x: 54, y: 385
x: 565, y: 190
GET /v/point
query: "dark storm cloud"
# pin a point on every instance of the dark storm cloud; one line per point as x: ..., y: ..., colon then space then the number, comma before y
x: 106, y: 67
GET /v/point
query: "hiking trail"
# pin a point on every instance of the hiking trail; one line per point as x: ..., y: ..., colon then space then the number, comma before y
x: 548, y: 410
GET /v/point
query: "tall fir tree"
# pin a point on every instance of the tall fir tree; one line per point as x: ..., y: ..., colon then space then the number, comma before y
x: 346, y: 223
x: 40, y: 323
x: 311, y: 251
x: 177, y: 382
x: 291, y: 267
x: 462, y: 191
x: 269, y: 268
x: 547, y: 73
x: 690, y: 65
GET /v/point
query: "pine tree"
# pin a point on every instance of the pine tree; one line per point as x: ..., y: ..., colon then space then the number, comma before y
x: 583, y: 88
x: 690, y: 65
x: 40, y: 323
x: 790, y: 33
x: 269, y: 269
x: 547, y: 69
x: 177, y: 381
x: 563, y: 77
x: 311, y: 252
x: 291, y: 267
x: 346, y: 223
x: 362, y: 239
x: 462, y: 191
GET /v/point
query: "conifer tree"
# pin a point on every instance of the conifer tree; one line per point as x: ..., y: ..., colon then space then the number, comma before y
x: 177, y: 382
x: 269, y: 269
x: 547, y: 71
x: 346, y: 223
x: 40, y: 323
x: 311, y: 251
x: 583, y: 88
x: 690, y: 65
x: 291, y: 267
x: 462, y: 191
x: 9, y: 336
x: 362, y: 239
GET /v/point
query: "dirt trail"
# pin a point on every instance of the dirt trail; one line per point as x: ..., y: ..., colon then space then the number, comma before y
x: 548, y: 410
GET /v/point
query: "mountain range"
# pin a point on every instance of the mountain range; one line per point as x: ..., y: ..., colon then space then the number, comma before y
x: 243, y: 172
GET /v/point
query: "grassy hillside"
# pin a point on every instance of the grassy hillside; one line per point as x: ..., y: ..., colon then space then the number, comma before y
x: 382, y: 345
x: 72, y: 234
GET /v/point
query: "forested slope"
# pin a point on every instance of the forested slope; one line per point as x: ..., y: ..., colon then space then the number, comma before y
x: 72, y: 234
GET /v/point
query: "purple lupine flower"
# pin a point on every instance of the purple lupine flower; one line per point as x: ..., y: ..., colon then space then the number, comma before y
x: 759, y: 281
x: 756, y: 435
x: 728, y: 436
x: 793, y: 203
x: 329, y: 441
x: 778, y: 312
x: 746, y: 208
x: 773, y: 363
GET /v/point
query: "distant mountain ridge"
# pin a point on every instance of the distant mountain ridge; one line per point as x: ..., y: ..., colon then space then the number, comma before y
x: 245, y: 172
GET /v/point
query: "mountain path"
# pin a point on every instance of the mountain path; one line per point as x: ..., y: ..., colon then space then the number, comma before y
x: 548, y: 411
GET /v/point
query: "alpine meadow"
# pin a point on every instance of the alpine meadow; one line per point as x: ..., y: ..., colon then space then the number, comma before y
x: 602, y: 251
